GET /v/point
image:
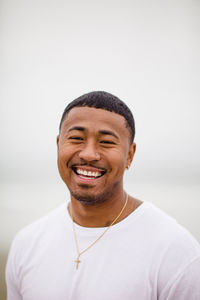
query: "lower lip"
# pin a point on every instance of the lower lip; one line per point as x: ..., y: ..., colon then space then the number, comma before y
x: 86, y: 180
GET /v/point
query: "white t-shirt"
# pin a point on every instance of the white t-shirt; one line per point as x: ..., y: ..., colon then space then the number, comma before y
x: 146, y: 256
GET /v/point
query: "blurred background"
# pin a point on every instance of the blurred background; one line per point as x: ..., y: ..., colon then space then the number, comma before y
x: 144, y: 52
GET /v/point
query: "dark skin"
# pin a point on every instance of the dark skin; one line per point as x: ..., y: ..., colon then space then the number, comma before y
x: 94, y: 151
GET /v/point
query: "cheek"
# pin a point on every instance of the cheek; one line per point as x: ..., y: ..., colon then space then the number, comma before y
x: 64, y: 171
x: 62, y: 159
x: 118, y: 162
x: 61, y: 165
x: 64, y: 154
x: 61, y: 155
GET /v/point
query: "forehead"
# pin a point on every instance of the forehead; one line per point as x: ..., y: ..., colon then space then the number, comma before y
x: 95, y: 119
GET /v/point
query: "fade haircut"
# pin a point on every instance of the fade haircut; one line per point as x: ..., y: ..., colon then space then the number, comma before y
x: 107, y: 101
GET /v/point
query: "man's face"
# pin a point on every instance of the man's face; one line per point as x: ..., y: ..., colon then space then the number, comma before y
x: 93, y: 151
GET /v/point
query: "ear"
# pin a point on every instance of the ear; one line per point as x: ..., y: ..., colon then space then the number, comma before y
x: 57, y: 141
x: 131, y: 153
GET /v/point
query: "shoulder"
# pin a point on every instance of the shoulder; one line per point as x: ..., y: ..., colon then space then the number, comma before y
x: 168, y: 230
x: 177, y: 251
x: 170, y: 244
x: 41, y: 228
x: 157, y: 219
x: 31, y: 243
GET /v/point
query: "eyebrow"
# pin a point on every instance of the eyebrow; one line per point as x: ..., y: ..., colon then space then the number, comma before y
x: 102, y: 132
x: 76, y: 128
x: 107, y: 132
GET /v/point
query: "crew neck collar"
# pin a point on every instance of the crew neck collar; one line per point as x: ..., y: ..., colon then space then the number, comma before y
x: 122, y: 224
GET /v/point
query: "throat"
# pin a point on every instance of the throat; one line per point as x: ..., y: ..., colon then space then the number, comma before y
x: 88, y: 213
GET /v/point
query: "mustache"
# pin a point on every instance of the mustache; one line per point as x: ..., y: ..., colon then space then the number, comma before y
x: 81, y: 164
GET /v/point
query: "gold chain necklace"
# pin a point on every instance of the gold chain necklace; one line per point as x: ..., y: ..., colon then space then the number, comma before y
x: 77, y: 261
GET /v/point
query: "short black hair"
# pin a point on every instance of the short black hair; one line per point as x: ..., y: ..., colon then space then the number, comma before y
x: 103, y: 100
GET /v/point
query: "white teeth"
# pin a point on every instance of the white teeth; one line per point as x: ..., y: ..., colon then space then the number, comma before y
x: 88, y: 173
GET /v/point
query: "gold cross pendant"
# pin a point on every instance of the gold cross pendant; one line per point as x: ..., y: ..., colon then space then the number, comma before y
x: 77, y: 261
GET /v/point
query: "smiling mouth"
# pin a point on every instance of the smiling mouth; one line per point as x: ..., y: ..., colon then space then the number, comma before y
x: 88, y: 174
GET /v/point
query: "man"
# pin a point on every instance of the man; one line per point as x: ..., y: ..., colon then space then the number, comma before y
x: 103, y: 244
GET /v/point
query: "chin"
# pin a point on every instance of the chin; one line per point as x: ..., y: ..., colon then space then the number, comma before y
x: 89, y: 198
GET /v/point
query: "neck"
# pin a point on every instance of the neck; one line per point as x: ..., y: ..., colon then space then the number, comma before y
x: 101, y: 214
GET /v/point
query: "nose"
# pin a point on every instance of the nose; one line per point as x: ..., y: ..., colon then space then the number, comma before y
x: 89, y: 152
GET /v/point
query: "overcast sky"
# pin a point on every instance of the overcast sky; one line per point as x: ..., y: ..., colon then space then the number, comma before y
x: 144, y: 52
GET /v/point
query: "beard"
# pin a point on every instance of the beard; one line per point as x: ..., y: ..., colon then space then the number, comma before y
x: 88, y: 198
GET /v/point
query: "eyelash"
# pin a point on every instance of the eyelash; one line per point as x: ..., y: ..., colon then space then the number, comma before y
x: 76, y: 138
x: 102, y: 142
x: 107, y: 142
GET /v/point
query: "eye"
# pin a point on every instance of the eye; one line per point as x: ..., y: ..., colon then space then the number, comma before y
x: 77, y: 138
x: 107, y: 142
